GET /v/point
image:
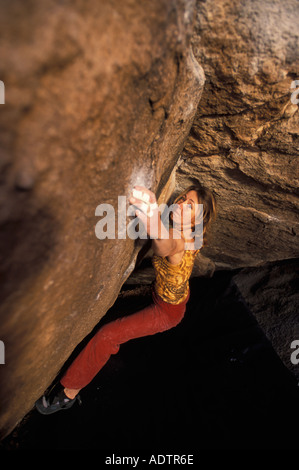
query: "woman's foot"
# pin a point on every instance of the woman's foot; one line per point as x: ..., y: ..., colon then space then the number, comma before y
x: 56, y: 400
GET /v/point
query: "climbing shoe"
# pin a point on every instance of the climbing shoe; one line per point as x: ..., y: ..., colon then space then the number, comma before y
x: 55, y: 401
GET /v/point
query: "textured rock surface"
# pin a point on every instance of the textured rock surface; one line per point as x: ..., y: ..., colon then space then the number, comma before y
x: 100, y: 95
x: 244, y: 143
x: 272, y: 295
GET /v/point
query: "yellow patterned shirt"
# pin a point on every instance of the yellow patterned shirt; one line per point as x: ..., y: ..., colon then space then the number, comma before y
x: 172, y: 280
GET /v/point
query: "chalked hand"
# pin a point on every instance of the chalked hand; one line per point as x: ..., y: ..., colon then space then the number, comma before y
x: 144, y: 200
x: 147, y: 210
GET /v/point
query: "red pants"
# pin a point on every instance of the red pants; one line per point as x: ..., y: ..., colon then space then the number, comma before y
x: 157, y: 317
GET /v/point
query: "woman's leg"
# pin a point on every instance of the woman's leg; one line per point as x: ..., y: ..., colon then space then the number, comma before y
x: 158, y: 317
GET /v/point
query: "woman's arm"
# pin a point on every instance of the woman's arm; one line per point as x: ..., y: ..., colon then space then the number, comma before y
x: 169, y: 247
x: 164, y: 242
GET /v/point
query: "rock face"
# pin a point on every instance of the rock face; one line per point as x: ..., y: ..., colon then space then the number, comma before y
x: 244, y: 145
x: 100, y: 95
x: 244, y: 142
x: 271, y: 292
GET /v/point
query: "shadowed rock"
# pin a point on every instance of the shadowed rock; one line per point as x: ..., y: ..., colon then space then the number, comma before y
x: 100, y: 96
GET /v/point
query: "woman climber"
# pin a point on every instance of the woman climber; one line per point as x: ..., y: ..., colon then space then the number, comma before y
x: 172, y: 264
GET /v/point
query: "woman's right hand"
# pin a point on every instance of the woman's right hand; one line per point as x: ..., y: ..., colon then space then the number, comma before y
x: 147, y: 210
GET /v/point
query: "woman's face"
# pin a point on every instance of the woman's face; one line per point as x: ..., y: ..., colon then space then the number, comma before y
x: 188, y: 203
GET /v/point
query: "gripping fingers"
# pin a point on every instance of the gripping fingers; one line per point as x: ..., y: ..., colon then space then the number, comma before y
x: 144, y: 200
x: 144, y: 194
x: 146, y: 209
x: 140, y: 195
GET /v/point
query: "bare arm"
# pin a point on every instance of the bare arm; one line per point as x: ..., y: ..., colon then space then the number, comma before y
x: 164, y: 242
x: 168, y: 247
